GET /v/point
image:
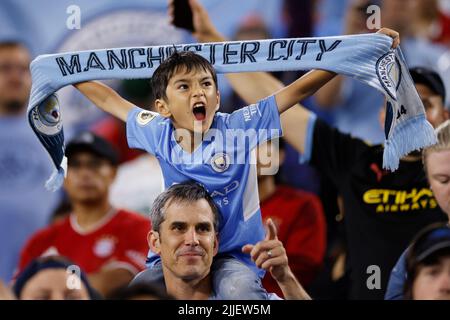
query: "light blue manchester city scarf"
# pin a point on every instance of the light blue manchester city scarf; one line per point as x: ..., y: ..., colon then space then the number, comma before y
x: 368, y: 58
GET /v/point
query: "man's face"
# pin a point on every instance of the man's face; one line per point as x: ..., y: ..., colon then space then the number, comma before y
x: 88, y: 177
x: 51, y: 284
x: 187, y: 241
x: 192, y: 100
x: 433, y: 282
x: 438, y: 170
x: 434, y: 106
x: 15, y: 78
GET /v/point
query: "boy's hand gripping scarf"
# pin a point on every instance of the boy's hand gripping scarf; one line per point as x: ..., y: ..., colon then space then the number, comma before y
x: 368, y: 58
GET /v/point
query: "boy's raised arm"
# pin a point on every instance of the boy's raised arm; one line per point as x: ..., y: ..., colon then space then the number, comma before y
x: 252, y: 87
x: 302, y: 88
x: 313, y: 80
x: 105, y: 98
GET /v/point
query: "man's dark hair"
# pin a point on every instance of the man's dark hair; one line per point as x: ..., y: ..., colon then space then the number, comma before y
x: 186, y: 192
x: 183, y: 60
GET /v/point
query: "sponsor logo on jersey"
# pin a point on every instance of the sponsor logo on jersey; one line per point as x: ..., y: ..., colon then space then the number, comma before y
x: 225, y: 191
x: 249, y: 111
x: 393, y: 201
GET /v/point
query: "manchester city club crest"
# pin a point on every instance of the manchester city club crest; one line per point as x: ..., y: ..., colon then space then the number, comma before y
x: 46, y: 117
x: 220, y: 162
x: 389, y: 73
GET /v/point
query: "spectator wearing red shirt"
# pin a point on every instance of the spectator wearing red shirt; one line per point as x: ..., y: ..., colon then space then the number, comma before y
x: 299, y: 218
x: 108, y: 244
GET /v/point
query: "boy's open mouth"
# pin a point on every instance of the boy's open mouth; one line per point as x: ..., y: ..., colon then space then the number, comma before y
x: 199, y: 111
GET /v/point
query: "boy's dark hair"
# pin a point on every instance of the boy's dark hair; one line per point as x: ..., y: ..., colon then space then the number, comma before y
x: 186, y: 60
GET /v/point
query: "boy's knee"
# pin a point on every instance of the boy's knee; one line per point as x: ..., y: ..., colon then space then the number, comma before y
x: 241, y: 287
x: 233, y: 280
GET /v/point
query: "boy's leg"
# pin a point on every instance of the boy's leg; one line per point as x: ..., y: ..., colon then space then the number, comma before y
x: 152, y: 275
x: 233, y: 280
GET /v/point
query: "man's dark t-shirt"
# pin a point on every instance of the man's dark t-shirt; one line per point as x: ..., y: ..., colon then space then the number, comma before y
x: 383, y: 210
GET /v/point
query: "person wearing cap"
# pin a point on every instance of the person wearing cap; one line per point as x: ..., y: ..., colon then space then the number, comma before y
x: 185, y: 234
x: 432, y: 92
x: 428, y: 265
x: 47, y: 278
x: 107, y: 243
x: 436, y: 160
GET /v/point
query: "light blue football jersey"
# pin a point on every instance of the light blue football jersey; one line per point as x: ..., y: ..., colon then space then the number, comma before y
x: 224, y: 163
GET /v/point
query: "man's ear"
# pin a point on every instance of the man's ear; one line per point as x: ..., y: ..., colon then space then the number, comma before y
x: 162, y: 108
x: 446, y: 114
x: 154, y: 241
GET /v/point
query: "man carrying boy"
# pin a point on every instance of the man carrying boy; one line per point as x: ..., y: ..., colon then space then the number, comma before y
x: 185, y: 234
